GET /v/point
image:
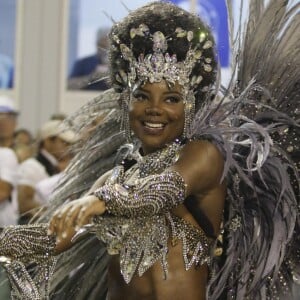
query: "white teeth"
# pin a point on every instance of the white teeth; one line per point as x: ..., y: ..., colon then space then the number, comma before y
x: 154, y: 125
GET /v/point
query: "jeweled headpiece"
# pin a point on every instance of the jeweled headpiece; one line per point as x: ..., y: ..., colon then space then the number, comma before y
x: 159, y: 64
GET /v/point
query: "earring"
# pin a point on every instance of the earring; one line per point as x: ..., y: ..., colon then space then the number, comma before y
x: 189, y: 112
x: 125, y: 126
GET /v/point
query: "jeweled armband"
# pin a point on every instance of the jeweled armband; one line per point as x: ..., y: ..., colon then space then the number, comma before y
x: 27, y: 242
x: 148, y: 196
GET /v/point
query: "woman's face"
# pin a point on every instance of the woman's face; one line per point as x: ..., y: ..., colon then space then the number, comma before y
x: 156, y: 115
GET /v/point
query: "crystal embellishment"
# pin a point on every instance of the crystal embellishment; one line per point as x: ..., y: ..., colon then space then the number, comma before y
x: 160, y: 65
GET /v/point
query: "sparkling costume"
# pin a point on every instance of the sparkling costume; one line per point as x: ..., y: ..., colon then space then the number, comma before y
x: 260, y: 232
x: 142, y: 224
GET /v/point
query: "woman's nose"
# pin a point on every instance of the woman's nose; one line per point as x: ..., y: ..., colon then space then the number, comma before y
x: 153, y: 110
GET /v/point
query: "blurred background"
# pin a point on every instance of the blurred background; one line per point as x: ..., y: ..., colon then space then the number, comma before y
x: 52, y: 51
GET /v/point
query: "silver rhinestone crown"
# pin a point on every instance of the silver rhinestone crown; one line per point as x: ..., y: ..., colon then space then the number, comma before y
x: 160, y: 64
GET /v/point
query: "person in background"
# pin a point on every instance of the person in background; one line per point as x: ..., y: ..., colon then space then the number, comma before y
x: 19, y: 140
x: 8, y: 121
x: 6, y: 72
x: 53, y: 143
x: 8, y: 204
x: 8, y: 178
x: 8, y: 161
x: 24, y: 144
x: 45, y: 188
x: 23, y: 136
x: 86, y: 71
x: 8, y: 175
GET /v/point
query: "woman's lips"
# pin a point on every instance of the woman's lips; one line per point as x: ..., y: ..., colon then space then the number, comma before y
x: 153, y: 128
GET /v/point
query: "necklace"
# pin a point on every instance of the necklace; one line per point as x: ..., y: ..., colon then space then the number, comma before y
x: 157, y: 161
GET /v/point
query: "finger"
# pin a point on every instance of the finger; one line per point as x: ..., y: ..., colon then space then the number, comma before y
x: 95, y: 208
x: 84, y: 216
x: 60, y: 225
x: 70, y: 221
x: 55, y: 220
x: 51, y: 227
x: 53, y: 223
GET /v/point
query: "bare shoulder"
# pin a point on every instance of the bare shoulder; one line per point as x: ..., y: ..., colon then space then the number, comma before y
x: 201, y: 165
x: 200, y: 148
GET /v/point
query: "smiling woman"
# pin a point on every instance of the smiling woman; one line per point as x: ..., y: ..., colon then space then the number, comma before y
x: 186, y: 198
x: 161, y: 85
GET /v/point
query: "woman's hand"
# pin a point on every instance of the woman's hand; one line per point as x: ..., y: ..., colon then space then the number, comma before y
x: 69, y: 218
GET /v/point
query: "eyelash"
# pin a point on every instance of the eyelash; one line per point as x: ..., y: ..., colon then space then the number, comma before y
x: 171, y: 99
x: 140, y: 97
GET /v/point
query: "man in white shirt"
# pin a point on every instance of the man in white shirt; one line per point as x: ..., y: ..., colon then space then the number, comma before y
x: 8, y: 204
x: 8, y: 172
x: 8, y: 162
x: 54, y: 142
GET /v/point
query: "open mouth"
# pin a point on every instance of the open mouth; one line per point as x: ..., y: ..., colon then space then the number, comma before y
x: 151, y: 125
x: 153, y: 128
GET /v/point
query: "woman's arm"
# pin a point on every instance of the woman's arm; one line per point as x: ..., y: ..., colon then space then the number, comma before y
x: 149, y: 196
x: 197, y: 172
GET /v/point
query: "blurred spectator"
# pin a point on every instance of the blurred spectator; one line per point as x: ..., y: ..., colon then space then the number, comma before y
x: 8, y: 172
x: 54, y: 142
x: 87, y: 70
x: 45, y: 187
x: 23, y: 146
x: 23, y: 136
x: 6, y: 72
x: 8, y: 121
x: 24, y: 151
x: 8, y: 204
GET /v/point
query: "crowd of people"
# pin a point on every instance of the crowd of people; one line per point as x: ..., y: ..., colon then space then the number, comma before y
x: 30, y: 167
x: 27, y: 159
x: 195, y: 197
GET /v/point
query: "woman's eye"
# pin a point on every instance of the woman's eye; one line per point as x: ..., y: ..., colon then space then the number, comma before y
x: 173, y: 99
x: 139, y: 97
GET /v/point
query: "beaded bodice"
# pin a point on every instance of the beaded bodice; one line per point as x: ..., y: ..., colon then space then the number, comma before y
x: 141, y: 237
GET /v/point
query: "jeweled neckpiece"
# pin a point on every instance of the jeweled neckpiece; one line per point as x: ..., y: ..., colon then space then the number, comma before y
x: 157, y: 161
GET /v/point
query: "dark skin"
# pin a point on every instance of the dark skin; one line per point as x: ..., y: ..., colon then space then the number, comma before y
x: 157, y: 118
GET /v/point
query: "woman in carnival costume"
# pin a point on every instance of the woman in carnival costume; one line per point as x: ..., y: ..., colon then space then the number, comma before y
x: 194, y: 199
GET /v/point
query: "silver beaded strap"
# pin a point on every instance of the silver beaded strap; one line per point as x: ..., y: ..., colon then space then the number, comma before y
x: 149, y: 196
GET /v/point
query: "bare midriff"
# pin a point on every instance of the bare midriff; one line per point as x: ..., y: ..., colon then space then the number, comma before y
x: 179, y: 284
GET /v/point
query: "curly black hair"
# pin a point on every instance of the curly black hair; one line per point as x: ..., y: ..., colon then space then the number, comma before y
x: 164, y: 17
